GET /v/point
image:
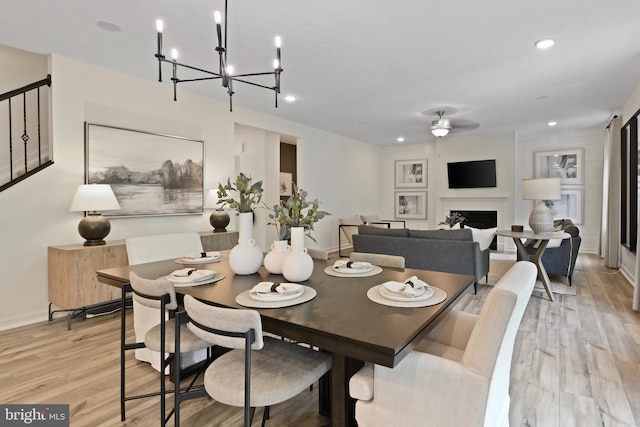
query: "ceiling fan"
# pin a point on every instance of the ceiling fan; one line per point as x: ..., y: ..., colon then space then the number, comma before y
x: 442, y: 126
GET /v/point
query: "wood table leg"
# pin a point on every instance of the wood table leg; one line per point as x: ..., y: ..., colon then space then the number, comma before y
x: 342, y: 405
x: 536, y: 258
x: 542, y: 273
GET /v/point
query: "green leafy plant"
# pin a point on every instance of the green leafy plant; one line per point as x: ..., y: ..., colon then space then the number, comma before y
x: 296, y: 211
x: 453, y: 219
x: 248, y: 194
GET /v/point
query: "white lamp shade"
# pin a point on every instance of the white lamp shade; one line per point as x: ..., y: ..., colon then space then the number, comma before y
x: 94, y: 197
x: 211, y: 201
x: 541, y: 189
x: 439, y: 131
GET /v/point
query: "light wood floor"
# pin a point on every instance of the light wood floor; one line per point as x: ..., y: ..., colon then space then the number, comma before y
x: 576, y: 363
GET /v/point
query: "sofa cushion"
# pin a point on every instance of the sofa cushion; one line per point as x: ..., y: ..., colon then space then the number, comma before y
x: 378, y: 231
x: 484, y: 237
x: 463, y: 234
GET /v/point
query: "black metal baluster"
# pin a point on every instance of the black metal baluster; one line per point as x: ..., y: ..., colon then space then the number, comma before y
x: 25, y: 137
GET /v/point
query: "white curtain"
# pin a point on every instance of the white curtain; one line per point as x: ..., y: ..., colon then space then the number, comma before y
x: 610, y: 237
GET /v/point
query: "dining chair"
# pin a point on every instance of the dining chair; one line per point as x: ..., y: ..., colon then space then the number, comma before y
x: 152, y: 248
x: 166, y: 338
x: 458, y: 375
x: 259, y: 371
x: 382, y: 260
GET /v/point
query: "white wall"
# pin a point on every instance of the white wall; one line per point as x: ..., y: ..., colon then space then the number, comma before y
x: 35, y: 213
x: 592, y: 141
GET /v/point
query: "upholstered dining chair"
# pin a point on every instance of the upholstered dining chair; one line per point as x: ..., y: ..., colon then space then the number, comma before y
x: 458, y: 375
x: 165, y: 339
x: 260, y: 371
x: 382, y: 260
x: 157, y: 248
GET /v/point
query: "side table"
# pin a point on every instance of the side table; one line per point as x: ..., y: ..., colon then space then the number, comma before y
x: 536, y: 258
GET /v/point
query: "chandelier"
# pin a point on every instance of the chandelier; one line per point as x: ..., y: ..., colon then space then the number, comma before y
x: 225, y: 71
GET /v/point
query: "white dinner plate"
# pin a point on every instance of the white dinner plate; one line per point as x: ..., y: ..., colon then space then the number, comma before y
x: 347, y: 270
x: 275, y: 296
x: 188, y: 279
x: 397, y: 296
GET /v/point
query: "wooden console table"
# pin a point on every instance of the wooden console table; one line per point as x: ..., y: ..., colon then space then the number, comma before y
x: 73, y: 286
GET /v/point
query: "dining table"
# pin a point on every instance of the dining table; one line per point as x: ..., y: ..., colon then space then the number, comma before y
x: 340, y: 318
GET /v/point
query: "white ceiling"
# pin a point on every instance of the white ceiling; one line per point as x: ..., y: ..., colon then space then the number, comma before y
x: 368, y: 69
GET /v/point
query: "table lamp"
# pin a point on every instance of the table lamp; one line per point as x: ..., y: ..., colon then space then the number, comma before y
x: 544, y: 191
x: 93, y: 198
x: 219, y: 218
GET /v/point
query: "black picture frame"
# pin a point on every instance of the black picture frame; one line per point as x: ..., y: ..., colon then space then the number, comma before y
x: 629, y: 184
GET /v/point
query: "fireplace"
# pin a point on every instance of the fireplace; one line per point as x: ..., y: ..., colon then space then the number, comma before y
x: 480, y: 219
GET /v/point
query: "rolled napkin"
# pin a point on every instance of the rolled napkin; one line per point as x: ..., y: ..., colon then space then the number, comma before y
x: 411, y: 287
x: 353, y: 265
x: 185, y: 275
x: 201, y: 256
x: 264, y: 288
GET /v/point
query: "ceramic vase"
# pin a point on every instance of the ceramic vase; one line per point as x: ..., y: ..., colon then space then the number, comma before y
x: 219, y: 219
x: 274, y: 259
x: 245, y: 257
x: 298, y: 265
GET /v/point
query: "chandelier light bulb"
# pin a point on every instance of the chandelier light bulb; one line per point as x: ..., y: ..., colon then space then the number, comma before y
x: 229, y: 70
x: 159, y: 25
x: 217, y: 17
x: 276, y: 63
x: 174, y: 54
x: 278, y: 41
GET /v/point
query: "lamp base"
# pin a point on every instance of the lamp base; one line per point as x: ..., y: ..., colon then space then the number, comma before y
x: 94, y: 228
x: 219, y: 219
x: 541, y: 219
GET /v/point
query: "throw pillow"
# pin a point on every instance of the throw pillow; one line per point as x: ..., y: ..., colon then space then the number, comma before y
x: 370, y: 218
x: 484, y: 237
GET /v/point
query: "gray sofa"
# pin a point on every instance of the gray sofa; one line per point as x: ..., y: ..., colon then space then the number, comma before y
x: 451, y: 251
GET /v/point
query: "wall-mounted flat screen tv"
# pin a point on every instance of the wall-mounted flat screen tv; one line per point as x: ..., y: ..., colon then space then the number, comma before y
x: 473, y: 174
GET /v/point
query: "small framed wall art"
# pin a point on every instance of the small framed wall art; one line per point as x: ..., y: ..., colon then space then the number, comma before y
x: 568, y: 165
x: 411, y: 173
x: 411, y: 204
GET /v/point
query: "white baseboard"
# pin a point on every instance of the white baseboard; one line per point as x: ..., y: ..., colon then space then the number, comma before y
x: 28, y: 319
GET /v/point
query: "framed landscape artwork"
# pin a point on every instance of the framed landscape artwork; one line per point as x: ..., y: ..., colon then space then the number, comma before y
x: 570, y: 206
x: 565, y: 164
x: 150, y: 174
x: 411, y: 173
x: 411, y: 205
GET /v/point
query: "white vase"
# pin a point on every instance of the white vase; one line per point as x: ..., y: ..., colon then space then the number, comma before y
x: 298, y: 265
x: 245, y: 257
x: 274, y: 259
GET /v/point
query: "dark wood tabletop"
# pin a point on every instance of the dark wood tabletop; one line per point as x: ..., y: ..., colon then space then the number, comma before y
x: 340, y: 319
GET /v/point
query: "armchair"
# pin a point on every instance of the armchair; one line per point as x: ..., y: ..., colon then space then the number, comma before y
x: 458, y: 375
x: 349, y: 226
x: 559, y: 258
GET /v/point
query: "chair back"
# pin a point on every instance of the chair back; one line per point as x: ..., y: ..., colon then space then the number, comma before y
x: 216, y: 324
x: 382, y: 260
x: 162, y: 246
x: 145, y: 288
x: 490, y: 347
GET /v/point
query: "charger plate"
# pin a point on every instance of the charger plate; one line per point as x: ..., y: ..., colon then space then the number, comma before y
x: 245, y: 299
x: 438, y: 296
x: 333, y: 272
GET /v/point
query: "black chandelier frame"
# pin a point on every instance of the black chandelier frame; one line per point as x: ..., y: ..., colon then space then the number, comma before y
x: 222, y: 73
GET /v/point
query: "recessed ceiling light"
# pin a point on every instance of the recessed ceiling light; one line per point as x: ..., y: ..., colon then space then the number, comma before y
x: 400, y: 139
x: 544, y: 43
x: 290, y: 98
x: 552, y: 123
x: 108, y: 26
